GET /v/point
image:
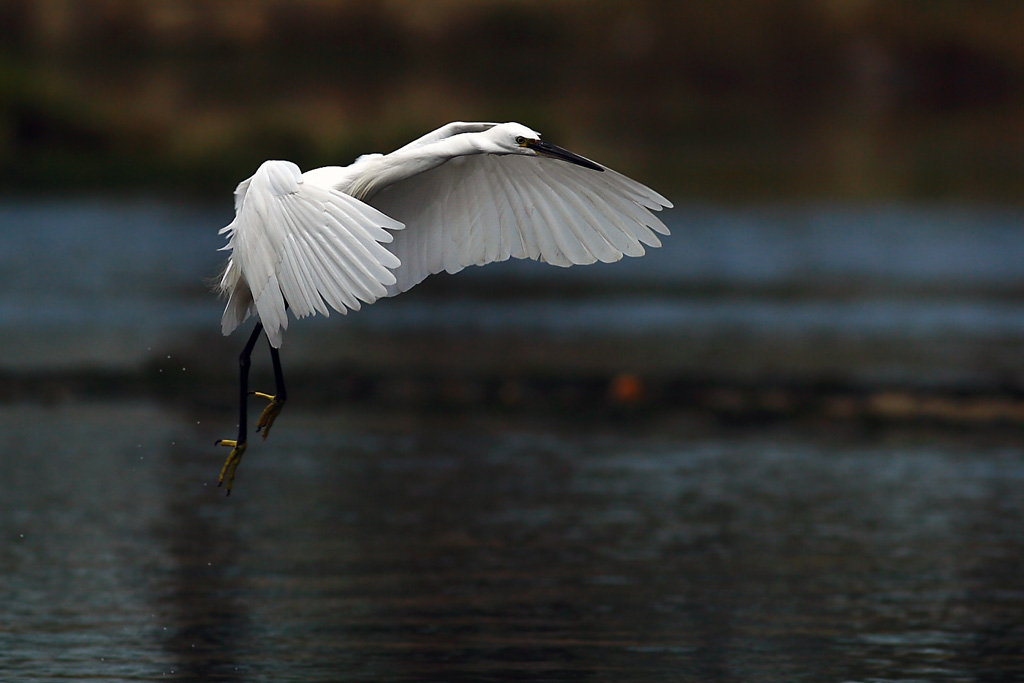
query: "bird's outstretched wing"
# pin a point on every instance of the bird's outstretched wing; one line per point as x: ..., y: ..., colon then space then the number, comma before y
x: 306, y: 245
x: 483, y: 208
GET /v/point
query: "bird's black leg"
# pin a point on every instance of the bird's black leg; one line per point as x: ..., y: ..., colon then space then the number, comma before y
x: 278, y: 374
x: 271, y: 412
x: 238, y: 446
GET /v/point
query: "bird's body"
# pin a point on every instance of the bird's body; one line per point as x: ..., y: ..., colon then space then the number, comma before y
x: 465, y: 194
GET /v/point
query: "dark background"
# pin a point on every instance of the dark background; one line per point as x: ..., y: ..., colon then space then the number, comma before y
x: 751, y: 100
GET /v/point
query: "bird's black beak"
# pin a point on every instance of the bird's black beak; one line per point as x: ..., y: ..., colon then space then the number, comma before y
x: 556, y: 152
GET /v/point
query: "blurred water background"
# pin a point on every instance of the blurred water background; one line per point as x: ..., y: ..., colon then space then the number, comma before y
x: 785, y: 446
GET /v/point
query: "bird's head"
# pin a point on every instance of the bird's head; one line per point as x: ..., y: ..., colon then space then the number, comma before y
x: 515, y: 138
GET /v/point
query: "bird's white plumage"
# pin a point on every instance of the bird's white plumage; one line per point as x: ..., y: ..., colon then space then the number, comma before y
x: 446, y: 131
x: 475, y: 210
x: 303, y: 244
x: 466, y: 193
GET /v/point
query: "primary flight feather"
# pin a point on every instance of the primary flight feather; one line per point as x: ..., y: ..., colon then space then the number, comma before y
x: 465, y: 194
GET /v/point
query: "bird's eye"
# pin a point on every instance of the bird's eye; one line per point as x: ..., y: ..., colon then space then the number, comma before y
x: 520, y: 140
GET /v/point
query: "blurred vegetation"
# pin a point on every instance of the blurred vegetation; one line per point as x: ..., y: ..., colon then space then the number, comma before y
x: 733, y: 99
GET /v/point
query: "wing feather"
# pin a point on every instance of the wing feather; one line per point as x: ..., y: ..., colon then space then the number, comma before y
x: 567, y: 250
x: 324, y: 281
x: 588, y: 237
x: 629, y: 216
x: 483, y: 208
x: 515, y: 224
x: 302, y: 246
x: 538, y: 242
x: 621, y: 243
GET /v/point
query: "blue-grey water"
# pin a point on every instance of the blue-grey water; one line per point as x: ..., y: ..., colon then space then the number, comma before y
x: 363, y: 543
x: 878, y: 292
x: 476, y: 551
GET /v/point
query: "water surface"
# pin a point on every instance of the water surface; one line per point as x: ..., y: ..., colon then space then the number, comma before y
x: 477, y: 549
x: 869, y: 293
x: 404, y: 540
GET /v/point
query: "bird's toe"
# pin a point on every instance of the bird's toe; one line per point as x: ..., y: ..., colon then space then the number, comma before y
x: 269, y: 414
x: 227, y: 473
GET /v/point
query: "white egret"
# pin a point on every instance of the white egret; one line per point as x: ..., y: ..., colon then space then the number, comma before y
x: 465, y: 194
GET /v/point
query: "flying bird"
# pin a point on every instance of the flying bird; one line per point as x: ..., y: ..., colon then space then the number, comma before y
x: 465, y: 194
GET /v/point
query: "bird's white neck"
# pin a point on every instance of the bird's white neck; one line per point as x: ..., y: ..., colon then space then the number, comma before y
x: 370, y: 174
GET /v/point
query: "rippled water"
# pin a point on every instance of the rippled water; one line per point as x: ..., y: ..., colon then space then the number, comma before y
x: 410, y: 543
x: 407, y: 549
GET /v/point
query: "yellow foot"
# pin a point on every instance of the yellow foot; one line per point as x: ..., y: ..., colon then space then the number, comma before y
x: 231, y: 464
x: 270, y: 413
